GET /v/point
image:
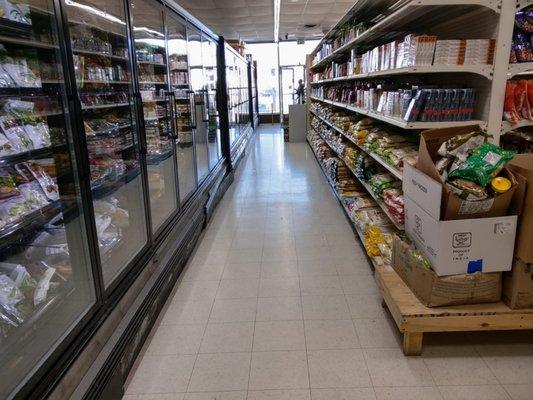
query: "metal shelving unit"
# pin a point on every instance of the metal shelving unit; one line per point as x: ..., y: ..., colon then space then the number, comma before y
x: 391, y: 169
x: 444, y: 18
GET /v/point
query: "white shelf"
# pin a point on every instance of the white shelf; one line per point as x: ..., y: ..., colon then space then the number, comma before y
x: 411, y: 11
x: 520, y: 69
x: 483, y: 70
x: 507, y: 126
x: 378, y: 201
x: 391, y: 169
x: 97, y: 54
x: 105, y: 106
x: 400, y: 122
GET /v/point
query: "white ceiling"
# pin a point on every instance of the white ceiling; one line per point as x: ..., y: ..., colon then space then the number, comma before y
x: 253, y: 20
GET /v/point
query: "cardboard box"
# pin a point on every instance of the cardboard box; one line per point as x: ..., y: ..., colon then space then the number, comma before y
x: 522, y: 165
x: 457, y: 246
x: 434, y: 291
x: 454, y: 207
x: 518, y: 285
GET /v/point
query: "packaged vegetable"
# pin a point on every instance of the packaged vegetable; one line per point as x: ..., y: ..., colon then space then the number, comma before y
x: 461, y: 145
x: 47, y: 183
x: 8, y: 187
x: 483, y: 165
x: 6, y: 148
x: 15, y: 133
x: 467, y: 190
x: 10, y: 297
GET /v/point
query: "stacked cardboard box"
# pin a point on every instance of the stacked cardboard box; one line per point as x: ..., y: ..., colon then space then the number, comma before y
x: 518, y: 283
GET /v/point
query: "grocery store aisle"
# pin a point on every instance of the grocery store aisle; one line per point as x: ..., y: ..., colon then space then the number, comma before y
x: 279, y: 303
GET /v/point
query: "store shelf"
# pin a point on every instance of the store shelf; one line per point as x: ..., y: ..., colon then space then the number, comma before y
x: 402, y: 16
x: 154, y: 100
x: 28, y: 223
x: 520, y: 69
x: 28, y: 42
x: 151, y: 63
x: 45, y: 152
x: 391, y: 169
x: 155, y: 159
x: 82, y: 82
x: 100, y: 106
x: 483, y: 70
x: 152, y: 83
x: 354, y: 226
x: 108, y: 188
x: 507, y: 126
x: 400, y: 122
x: 96, y: 53
x: 368, y: 188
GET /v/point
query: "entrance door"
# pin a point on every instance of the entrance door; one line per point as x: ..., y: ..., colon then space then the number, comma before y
x: 290, y: 75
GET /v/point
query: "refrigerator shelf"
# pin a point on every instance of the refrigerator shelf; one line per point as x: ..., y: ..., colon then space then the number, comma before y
x: 154, y: 159
x: 108, y: 188
x: 28, y: 42
x: 152, y: 63
x: 28, y: 223
x: 98, y: 54
x: 24, y: 333
x: 100, y: 106
x: 45, y: 152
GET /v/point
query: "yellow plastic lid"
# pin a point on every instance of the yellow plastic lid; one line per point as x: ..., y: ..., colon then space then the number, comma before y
x: 500, y: 184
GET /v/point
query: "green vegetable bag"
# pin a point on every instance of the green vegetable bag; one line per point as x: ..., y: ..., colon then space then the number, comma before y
x: 483, y: 165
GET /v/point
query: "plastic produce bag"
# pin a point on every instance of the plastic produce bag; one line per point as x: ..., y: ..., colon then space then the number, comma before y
x: 486, y: 162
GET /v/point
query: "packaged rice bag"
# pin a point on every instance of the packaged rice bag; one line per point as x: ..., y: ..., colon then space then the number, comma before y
x: 483, y: 165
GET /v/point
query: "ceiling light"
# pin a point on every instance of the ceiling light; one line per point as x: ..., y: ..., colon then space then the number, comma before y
x: 277, y: 9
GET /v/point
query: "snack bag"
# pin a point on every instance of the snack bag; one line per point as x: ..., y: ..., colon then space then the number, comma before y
x: 486, y: 162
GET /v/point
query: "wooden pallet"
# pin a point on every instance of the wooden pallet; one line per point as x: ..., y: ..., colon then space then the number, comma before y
x: 413, y: 318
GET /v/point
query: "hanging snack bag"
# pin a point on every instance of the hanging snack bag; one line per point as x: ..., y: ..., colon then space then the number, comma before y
x: 486, y: 162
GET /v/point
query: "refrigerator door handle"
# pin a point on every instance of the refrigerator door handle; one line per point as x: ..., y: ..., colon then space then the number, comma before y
x: 192, y: 104
x: 173, y: 126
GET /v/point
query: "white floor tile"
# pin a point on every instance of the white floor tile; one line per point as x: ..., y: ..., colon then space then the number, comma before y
x: 330, y: 335
x: 228, y: 338
x: 220, y: 372
x: 287, y: 394
x: 338, y: 369
x: 343, y: 394
x: 279, y: 335
x: 279, y: 309
x: 279, y: 370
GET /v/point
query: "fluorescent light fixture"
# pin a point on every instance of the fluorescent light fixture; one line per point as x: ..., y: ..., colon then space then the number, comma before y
x: 277, y: 10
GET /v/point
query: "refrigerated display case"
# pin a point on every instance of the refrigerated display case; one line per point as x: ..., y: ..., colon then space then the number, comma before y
x: 181, y: 96
x: 46, y: 278
x: 103, y: 64
x: 238, y: 87
x: 148, y: 18
x: 111, y: 133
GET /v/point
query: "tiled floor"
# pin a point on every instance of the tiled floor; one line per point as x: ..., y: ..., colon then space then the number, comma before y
x: 279, y: 303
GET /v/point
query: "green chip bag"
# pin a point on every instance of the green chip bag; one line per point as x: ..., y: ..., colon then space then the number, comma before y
x: 483, y: 165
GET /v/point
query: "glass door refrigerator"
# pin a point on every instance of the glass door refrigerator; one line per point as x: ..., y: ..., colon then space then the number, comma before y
x: 157, y: 102
x: 198, y: 87
x: 209, y: 49
x: 102, y: 65
x: 233, y: 95
x: 46, y: 279
x: 178, y: 62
